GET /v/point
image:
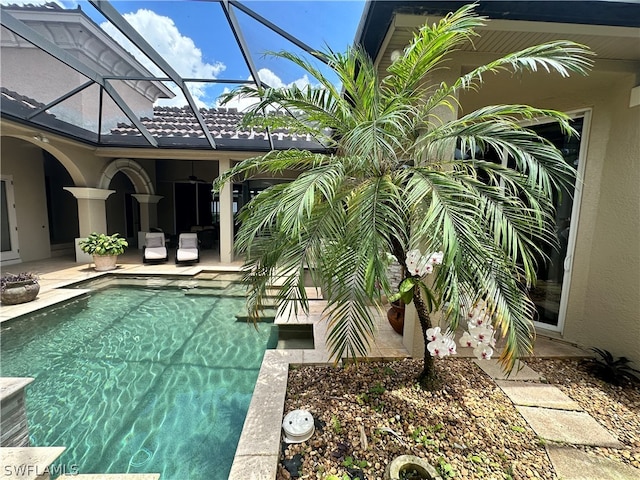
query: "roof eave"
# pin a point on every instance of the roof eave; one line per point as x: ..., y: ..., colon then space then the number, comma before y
x: 378, y: 14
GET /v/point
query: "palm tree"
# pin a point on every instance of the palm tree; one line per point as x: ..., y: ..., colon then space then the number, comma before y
x: 391, y: 182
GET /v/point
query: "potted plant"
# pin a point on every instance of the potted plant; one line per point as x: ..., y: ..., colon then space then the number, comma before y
x: 19, y: 288
x: 105, y: 249
x: 395, y: 315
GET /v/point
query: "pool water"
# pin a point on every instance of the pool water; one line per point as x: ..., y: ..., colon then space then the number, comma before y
x: 139, y: 378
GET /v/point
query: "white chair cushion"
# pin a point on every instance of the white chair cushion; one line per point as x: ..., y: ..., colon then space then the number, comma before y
x: 186, y: 255
x: 155, y: 253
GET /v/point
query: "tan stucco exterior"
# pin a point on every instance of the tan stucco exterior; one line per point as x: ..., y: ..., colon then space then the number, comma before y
x: 100, y: 179
x: 23, y: 162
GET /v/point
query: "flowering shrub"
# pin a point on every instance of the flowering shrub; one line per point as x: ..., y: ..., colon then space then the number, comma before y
x: 480, y: 334
x: 418, y: 265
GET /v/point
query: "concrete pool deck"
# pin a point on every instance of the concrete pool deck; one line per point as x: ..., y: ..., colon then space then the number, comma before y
x: 259, y: 446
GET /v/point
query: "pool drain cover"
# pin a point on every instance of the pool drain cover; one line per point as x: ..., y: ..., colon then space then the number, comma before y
x: 298, y: 426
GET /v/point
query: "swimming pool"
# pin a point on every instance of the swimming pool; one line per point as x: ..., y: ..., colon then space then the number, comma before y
x: 141, y: 376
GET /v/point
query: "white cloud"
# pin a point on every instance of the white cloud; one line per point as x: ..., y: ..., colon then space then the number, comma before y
x: 178, y: 50
x: 271, y: 79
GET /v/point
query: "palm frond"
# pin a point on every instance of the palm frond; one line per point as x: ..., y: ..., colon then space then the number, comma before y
x: 276, y: 162
x: 427, y: 50
x: 351, y: 324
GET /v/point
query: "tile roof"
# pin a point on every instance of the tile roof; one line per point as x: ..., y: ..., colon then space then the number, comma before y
x: 173, y: 127
x: 221, y: 122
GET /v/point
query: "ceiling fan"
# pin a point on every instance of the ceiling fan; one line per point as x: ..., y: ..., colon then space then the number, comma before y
x: 192, y: 178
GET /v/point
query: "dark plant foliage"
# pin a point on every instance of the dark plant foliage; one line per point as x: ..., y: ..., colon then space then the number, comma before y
x: 294, y: 465
x: 612, y: 370
x: 17, y: 277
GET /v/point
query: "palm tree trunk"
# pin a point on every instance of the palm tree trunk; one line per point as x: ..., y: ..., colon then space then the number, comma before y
x: 427, y: 378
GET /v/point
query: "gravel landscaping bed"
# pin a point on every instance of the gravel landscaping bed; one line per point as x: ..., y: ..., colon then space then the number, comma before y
x: 370, y: 413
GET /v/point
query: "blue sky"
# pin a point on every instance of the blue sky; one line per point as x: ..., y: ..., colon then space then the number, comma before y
x: 195, y: 38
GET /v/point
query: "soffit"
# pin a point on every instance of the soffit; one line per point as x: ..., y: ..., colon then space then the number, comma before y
x: 75, y: 33
x: 621, y: 44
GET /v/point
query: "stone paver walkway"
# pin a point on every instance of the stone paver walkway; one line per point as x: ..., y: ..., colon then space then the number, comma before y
x: 556, y: 418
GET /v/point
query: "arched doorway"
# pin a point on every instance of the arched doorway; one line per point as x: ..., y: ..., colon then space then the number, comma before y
x: 62, y: 210
x: 123, y: 210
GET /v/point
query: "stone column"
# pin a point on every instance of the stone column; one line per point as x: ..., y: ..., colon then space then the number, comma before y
x: 226, y: 216
x: 148, y: 214
x: 92, y: 214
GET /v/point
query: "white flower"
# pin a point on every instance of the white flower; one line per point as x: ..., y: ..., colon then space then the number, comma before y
x: 434, y: 334
x: 439, y: 347
x: 421, y: 265
x: 467, y: 340
x: 483, y: 335
x: 436, y: 258
x: 413, y: 257
x: 483, y: 352
x: 424, y: 267
x: 451, y: 345
x: 480, y: 319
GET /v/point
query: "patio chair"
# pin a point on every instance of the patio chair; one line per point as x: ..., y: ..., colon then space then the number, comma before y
x: 155, y: 249
x: 188, y: 250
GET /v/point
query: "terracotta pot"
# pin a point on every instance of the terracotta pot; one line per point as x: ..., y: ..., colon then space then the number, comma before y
x: 104, y: 263
x: 20, y: 292
x: 395, y: 315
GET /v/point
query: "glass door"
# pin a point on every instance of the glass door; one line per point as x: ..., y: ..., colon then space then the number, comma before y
x: 550, y: 293
x: 8, y: 229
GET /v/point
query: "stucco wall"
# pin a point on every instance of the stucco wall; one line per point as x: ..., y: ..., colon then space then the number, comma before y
x: 24, y: 162
x: 604, y: 308
x: 50, y: 79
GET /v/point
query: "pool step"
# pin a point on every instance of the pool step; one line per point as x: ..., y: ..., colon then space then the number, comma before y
x: 206, y: 290
x: 112, y: 476
x: 233, y: 277
x: 218, y: 284
x: 223, y: 292
x: 296, y: 336
x: 206, y: 276
x: 214, y: 292
x: 29, y: 463
x: 267, y: 315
